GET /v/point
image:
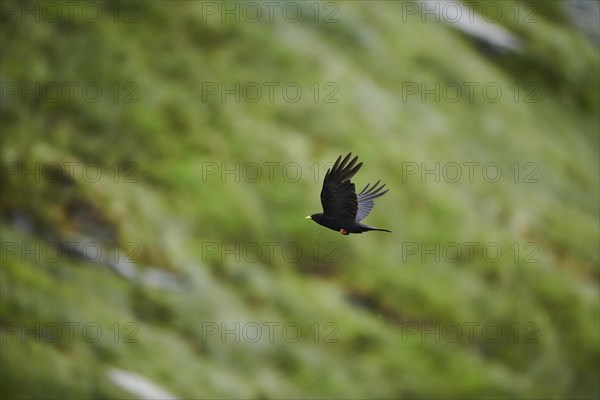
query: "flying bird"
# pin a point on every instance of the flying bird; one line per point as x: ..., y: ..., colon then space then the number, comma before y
x: 343, y: 209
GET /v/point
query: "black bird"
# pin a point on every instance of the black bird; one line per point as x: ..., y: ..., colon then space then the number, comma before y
x: 342, y: 208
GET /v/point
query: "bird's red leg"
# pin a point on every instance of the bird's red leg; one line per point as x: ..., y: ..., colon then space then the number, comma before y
x: 343, y: 231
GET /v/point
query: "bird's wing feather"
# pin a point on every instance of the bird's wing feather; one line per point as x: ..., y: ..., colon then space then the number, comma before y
x: 338, y: 195
x: 366, y: 200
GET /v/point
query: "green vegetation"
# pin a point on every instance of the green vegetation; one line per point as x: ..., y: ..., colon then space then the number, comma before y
x: 380, y: 315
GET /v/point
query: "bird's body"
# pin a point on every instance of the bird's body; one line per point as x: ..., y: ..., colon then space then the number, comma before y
x: 343, y: 209
x: 344, y: 226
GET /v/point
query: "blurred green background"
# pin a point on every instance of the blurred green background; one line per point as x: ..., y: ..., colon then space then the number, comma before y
x: 153, y: 201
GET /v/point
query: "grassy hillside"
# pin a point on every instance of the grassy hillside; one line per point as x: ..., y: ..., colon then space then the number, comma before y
x: 158, y: 161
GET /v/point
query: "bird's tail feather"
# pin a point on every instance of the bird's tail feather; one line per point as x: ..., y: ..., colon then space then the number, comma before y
x: 372, y: 228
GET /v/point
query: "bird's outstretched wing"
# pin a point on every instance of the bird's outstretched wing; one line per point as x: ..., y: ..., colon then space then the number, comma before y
x: 338, y: 195
x: 366, y: 200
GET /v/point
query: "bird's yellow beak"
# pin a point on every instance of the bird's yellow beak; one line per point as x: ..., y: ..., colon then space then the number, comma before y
x: 308, y: 217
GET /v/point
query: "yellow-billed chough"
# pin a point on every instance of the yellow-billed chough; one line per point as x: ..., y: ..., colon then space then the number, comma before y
x: 342, y: 208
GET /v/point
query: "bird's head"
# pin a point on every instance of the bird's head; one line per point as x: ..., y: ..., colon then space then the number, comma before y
x: 314, y: 217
